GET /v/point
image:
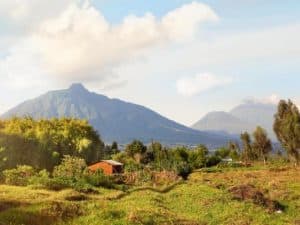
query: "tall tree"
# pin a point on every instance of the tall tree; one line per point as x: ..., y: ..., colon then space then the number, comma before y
x: 115, y: 147
x: 262, y: 145
x: 247, y: 153
x: 287, y: 128
x: 234, y: 150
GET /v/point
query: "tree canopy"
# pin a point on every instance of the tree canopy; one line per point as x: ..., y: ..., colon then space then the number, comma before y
x: 43, y: 143
x: 287, y: 128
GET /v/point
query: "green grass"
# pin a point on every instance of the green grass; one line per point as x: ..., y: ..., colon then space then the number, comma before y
x: 202, y: 199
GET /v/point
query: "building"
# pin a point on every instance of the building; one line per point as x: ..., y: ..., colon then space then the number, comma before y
x: 109, y: 167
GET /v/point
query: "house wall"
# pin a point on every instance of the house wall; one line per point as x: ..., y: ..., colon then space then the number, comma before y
x: 107, y: 168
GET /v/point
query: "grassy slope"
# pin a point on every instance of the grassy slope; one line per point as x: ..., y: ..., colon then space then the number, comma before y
x: 203, y: 199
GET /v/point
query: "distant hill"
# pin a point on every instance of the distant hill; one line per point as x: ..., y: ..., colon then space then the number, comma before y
x: 114, y: 119
x: 244, y: 117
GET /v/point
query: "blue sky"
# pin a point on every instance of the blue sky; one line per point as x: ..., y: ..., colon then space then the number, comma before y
x: 180, y: 58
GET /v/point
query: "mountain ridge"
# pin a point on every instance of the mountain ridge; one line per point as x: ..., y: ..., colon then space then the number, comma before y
x: 244, y: 117
x: 116, y: 120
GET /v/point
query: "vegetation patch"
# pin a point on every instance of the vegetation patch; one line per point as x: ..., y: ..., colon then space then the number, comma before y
x: 5, y: 205
x: 250, y: 193
x: 61, y: 210
x: 77, y: 197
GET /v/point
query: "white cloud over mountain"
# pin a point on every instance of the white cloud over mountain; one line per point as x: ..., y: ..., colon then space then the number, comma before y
x: 190, y: 86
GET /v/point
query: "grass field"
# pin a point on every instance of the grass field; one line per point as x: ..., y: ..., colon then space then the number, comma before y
x: 205, y: 198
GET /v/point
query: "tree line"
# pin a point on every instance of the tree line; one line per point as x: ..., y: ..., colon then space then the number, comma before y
x: 43, y: 144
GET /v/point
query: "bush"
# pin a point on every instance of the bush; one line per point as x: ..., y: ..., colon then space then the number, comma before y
x: 19, y: 176
x: 98, y: 179
x: 40, y: 179
x: 82, y: 186
x: 132, y: 166
x: 70, y: 168
x: 213, y: 161
x: 58, y: 183
x: 184, y: 170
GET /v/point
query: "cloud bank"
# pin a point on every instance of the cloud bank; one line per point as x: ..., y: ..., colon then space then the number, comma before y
x: 190, y: 86
x: 79, y: 44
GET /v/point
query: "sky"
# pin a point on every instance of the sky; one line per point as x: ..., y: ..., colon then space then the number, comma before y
x: 180, y: 58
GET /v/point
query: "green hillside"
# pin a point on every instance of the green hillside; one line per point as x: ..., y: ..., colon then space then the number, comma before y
x: 203, y: 199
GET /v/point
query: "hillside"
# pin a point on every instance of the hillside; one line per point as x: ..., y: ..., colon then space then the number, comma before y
x: 244, y: 117
x: 204, y: 199
x: 113, y: 118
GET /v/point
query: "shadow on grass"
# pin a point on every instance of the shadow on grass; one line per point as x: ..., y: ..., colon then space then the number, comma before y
x: 51, y: 213
x: 161, y: 191
x: 6, y: 205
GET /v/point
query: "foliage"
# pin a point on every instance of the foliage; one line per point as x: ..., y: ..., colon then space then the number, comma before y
x: 262, y: 145
x: 184, y: 169
x: 198, y: 157
x: 213, y: 160
x: 287, y: 128
x: 41, y: 178
x: 136, y: 149
x: 98, y: 179
x: 115, y: 147
x: 43, y: 143
x: 248, y: 154
x: 222, y: 153
x: 19, y: 176
x: 70, y: 168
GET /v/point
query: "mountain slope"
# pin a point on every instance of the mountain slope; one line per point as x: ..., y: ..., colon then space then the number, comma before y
x: 245, y: 117
x: 113, y: 118
x: 222, y: 121
x: 256, y: 113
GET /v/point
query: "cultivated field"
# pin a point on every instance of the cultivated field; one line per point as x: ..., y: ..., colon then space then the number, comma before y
x: 254, y: 195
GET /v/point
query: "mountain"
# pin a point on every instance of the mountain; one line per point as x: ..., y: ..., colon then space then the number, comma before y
x: 222, y: 121
x: 114, y: 119
x: 244, y: 117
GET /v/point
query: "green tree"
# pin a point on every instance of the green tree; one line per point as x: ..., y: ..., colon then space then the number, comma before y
x: 234, y: 150
x: 43, y: 143
x: 247, y: 153
x: 115, y: 147
x: 135, y: 150
x: 198, y: 156
x: 287, y: 128
x: 222, y: 152
x: 262, y: 145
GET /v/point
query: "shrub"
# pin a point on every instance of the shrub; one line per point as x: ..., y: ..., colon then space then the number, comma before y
x: 82, y: 186
x: 19, y: 176
x: 70, y: 168
x: 98, y: 179
x: 58, y: 183
x: 40, y: 179
x: 213, y: 161
x: 132, y: 166
x: 184, y: 169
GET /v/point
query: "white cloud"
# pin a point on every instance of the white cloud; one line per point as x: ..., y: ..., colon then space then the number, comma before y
x: 189, y: 86
x: 31, y: 12
x: 182, y: 23
x: 79, y: 44
x: 273, y: 99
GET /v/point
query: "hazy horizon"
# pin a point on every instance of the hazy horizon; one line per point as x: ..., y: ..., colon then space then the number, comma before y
x: 180, y: 58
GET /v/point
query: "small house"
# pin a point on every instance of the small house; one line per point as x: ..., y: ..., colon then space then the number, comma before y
x: 109, y: 167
